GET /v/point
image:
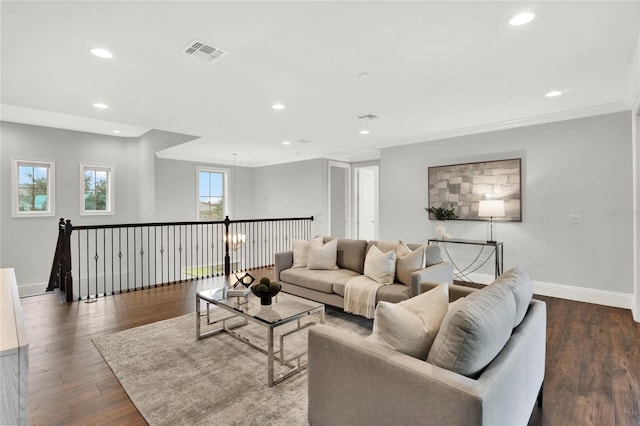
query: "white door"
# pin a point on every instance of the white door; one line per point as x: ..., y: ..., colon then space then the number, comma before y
x: 366, y: 202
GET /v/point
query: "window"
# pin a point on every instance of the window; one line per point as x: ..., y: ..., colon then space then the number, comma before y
x: 33, y: 184
x: 96, y: 189
x: 212, y: 193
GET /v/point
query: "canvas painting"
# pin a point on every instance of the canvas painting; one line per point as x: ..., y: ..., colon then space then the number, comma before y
x: 462, y: 186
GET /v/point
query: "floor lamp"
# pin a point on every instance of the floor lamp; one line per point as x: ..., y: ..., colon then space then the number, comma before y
x: 491, y: 209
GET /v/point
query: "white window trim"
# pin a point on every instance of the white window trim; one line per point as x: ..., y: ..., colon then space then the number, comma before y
x: 51, y: 185
x: 225, y: 188
x: 110, y: 192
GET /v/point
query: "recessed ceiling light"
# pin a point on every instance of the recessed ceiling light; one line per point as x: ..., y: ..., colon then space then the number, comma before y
x: 286, y: 143
x: 101, y: 105
x: 277, y: 106
x: 102, y: 53
x: 364, y: 132
x: 116, y: 132
x: 522, y: 18
x: 553, y: 94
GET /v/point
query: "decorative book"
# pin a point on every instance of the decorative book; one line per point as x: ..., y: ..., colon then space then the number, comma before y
x: 239, y: 291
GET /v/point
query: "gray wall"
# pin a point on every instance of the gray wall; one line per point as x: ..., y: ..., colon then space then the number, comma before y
x: 146, y: 188
x: 293, y: 190
x: 573, y: 167
x: 28, y: 244
x: 581, y: 166
x: 148, y: 144
x: 175, y: 191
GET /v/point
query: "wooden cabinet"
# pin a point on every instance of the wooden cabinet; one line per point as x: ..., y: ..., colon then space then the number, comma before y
x: 14, y: 354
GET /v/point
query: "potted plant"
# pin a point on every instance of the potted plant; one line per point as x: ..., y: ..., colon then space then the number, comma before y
x: 442, y: 214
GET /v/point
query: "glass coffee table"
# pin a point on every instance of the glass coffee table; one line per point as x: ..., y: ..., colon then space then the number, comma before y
x: 285, y: 308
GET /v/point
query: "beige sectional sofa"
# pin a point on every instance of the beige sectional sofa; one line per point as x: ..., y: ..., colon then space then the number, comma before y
x: 328, y: 286
x: 469, y: 377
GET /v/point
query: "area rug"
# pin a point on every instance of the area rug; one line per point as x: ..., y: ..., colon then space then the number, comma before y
x: 174, y: 379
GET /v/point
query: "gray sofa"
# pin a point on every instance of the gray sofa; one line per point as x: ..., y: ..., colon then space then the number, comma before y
x: 353, y: 381
x: 328, y: 286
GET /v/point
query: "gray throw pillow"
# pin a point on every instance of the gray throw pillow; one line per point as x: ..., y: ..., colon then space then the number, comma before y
x: 519, y: 282
x: 474, y: 331
x: 432, y: 254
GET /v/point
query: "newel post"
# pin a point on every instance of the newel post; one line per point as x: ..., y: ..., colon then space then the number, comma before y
x: 67, y: 279
x: 227, y: 258
x: 56, y: 265
x: 60, y: 276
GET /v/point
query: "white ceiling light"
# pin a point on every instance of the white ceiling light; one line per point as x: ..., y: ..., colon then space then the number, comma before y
x: 286, y: 143
x: 102, y: 53
x: 364, y: 132
x: 116, y: 132
x: 277, y: 106
x: 522, y: 18
x: 553, y: 94
x: 101, y: 105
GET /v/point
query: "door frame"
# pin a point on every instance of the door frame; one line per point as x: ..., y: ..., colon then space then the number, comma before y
x: 347, y: 192
x: 354, y: 200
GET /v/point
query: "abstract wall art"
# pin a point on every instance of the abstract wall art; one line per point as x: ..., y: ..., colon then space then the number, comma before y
x: 462, y: 186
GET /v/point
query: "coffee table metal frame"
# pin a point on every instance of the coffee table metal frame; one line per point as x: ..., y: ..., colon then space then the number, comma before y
x: 234, y: 306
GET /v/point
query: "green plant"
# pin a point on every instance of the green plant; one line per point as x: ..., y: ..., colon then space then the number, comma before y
x: 442, y: 213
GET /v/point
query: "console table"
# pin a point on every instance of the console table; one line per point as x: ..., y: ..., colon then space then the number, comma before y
x: 497, y: 252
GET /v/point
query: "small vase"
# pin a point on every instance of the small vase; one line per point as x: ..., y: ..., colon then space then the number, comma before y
x: 441, y: 231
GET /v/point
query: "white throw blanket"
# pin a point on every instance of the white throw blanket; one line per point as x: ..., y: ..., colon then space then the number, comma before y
x: 360, y: 296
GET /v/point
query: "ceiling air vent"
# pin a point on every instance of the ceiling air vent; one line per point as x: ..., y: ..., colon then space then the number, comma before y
x: 204, y: 51
x: 367, y: 117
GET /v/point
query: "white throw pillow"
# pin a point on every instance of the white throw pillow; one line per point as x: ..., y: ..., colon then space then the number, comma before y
x: 300, y: 253
x: 385, y: 246
x: 407, y: 262
x: 322, y: 256
x: 379, y: 266
x: 411, y: 326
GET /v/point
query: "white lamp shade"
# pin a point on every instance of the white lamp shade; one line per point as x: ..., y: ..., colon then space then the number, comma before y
x: 491, y: 208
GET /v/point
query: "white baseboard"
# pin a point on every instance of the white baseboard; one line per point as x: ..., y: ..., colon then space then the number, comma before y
x: 579, y: 294
x: 32, y: 289
x: 582, y: 294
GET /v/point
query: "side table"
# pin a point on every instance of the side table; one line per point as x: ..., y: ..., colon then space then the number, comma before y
x: 497, y: 252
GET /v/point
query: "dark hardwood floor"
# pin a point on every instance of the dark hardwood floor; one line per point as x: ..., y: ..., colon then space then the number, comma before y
x: 592, y: 375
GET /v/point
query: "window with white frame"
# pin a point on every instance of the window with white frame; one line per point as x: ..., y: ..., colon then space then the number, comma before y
x: 32, y: 192
x: 212, y: 193
x: 96, y: 189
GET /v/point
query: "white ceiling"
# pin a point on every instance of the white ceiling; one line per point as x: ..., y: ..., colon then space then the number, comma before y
x: 435, y: 69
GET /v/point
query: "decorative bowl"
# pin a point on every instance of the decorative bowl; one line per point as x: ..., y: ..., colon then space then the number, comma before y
x: 265, y: 295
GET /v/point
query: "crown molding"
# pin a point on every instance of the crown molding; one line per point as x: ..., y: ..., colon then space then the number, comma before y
x: 511, y: 124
